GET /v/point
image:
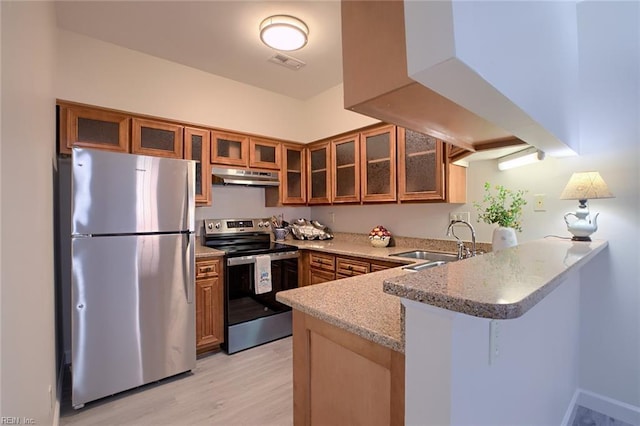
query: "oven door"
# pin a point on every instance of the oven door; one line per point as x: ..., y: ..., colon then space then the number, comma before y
x: 252, y: 319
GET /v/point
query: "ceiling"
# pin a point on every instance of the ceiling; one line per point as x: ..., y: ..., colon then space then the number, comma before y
x: 219, y: 37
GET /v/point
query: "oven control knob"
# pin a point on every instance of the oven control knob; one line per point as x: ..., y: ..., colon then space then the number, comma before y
x: 266, y: 224
x: 210, y: 226
x: 260, y: 224
x: 218, y: 225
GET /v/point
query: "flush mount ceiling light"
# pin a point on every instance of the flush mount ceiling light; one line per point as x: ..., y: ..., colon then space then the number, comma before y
x: 520, y: 158
x: 284, y: 32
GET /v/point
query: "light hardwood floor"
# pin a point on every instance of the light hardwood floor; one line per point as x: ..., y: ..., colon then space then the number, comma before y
x: 253, y: 387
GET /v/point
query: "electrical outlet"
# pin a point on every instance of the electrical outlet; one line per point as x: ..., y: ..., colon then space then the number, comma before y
x: 332, y: 215
x: 538, y: 203
x: 466, y: 216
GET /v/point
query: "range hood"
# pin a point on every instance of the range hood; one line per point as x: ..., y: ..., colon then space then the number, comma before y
x: 228, y: 176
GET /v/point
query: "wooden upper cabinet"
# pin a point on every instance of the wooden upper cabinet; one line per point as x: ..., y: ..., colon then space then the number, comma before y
x: 319, y: 166
x: 196, y: 147
x: 264, y: 154
x: 345, y: 171
x: 420, y: 167
x: 93, y: 128
x: 293, y: 174
x: 231, y: 149
x: 378, y: 164
x: 157, y: 138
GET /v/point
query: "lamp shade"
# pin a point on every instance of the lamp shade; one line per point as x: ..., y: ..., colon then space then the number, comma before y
x: 586, y: 186
x: 284, y: 32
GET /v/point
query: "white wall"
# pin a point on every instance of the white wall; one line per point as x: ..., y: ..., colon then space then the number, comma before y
x: 533, y: 56
x: 325, y: 115
x: 610, y: 139
x: 28, y: 370
x: 504, y: 61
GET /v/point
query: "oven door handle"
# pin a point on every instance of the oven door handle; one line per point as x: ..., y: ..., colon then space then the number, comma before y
x: 243, y: 260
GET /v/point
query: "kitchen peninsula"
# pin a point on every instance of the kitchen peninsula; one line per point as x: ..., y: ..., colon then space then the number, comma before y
x: 479, y: 339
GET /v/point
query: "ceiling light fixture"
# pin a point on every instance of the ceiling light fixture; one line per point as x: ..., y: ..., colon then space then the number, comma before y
x: 520, y: 158
x: 284, y: 32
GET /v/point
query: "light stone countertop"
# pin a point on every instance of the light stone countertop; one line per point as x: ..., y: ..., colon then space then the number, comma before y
x: 356, y: 304
x: 204, y: 251
x: 352, y: 249
x: 497, y: 285
x: 358, y: 245
x: 500, y: 285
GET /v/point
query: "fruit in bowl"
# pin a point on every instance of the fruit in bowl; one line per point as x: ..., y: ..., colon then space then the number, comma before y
x: 379, y: 236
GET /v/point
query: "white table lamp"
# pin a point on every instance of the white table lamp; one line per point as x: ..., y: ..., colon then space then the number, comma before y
x: 583, y: 186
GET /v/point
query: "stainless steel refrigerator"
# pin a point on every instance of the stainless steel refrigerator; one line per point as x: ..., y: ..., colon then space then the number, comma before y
x: 132, y: 271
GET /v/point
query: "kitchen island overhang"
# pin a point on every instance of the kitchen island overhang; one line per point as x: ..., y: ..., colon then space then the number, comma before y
x: 497, y: 285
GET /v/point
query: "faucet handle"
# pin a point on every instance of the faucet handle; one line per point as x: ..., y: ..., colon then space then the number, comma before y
x: 461, y: 249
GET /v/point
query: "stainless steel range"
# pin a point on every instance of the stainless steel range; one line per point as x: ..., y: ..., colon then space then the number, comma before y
x: 252, y: 314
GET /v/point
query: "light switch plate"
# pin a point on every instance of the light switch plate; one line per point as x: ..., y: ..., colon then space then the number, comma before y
x: 538, y: 203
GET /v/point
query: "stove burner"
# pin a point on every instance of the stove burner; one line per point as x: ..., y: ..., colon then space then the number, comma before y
x: 242, y: 237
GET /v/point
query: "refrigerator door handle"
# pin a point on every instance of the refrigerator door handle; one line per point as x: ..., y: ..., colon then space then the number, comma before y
x: 189, y: 214
x: 188, y: 268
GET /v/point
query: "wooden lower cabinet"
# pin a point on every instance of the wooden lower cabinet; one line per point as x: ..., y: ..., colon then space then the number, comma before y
x: 209, y: 304
x: 317, y: 277
x: 347, y: 267
x: 340, y: 378
x: 318, y: 267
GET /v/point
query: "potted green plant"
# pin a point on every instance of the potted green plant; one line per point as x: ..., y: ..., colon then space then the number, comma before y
x: 503, y: 207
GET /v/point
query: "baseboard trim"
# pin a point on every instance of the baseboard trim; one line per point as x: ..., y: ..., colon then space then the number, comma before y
x: 570, y: 414
x: 608, y: 406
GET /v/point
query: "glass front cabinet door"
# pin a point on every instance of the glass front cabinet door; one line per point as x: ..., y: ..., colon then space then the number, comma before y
x: 264, y: 154
x: 319, y: 161
x: 92, y: 128
x: 420, y: 168
x: 293, y: 174
x: 156, y: 138
x: 231, y: 149
x: 196, y: 147
x: 346, y: 169
x: 378, y: 164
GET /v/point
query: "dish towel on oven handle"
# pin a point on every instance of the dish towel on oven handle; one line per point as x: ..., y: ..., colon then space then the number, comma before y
x: 263, y: 274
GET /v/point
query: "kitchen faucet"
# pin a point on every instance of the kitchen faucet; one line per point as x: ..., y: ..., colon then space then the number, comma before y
x: 463, y: 252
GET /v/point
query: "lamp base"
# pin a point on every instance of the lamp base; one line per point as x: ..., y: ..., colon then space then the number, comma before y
x: 581, y: 239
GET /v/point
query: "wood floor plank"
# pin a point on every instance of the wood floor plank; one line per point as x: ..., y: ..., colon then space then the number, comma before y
x: 253, y: 387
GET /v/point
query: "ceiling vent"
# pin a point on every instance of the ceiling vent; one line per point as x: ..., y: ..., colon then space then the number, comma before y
x: 287, y: 61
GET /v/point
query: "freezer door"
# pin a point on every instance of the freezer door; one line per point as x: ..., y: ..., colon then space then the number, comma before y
x: 115, y: 193
x: 133, y: 312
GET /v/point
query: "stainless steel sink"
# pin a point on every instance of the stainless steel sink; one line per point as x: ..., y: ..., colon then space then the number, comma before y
x: 420, y: 266
x: 427, y: 255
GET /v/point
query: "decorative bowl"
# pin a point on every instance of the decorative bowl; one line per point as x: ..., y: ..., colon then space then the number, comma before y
x: 380, y: 241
